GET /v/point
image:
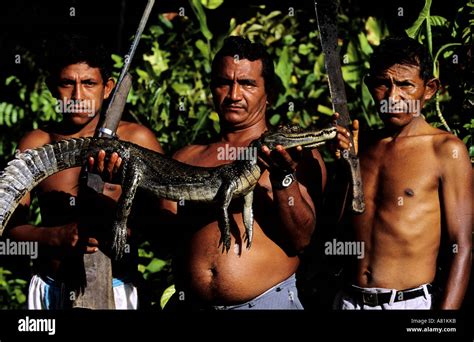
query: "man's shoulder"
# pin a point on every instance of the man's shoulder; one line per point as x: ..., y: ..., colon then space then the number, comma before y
x: 34, y: 139
x: 447, y: 144
x: 138, y: 134
x: 129, y: 131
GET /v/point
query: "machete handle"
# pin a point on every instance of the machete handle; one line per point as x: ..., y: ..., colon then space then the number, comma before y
x: 358, y: 200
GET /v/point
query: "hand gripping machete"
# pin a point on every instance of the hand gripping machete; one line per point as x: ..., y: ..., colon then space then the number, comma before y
x: 326, y: 15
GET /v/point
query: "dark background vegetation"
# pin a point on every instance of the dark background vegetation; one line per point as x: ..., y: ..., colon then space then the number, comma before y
x: 171, y: 87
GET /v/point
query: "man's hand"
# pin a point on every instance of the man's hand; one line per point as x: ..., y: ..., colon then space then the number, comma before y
x: 107, y: 172
x: 67, y: 236
x: 280, y: 160
x: 281, y: 163
x: 343, y: 141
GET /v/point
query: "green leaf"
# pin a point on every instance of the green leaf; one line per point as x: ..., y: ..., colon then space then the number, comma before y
x: 7, y: 113
x: 325, y: 110
x: 412, y: 31
x: 167, y: 293
x: 436, y: 20
x: 284, y: 68
x: 374, y: 32
x: 275, y: 119
x: 158, y: 59
x: 182, y: 89
x: 305, y: 49
x: 118, y: 61
x: 351, y: 75
x: 214, y: 116
x: 201, y: 16
x: 364, y: 44
x: 315, y: 93
x: 10, y: 79
x: 155, y: 265
x: 211, y: 4
x: 203, y: 48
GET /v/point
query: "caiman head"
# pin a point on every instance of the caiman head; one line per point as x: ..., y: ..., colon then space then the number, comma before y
x: 292, y: 136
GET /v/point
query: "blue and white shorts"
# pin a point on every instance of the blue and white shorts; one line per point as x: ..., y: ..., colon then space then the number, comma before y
x: 45, y: 293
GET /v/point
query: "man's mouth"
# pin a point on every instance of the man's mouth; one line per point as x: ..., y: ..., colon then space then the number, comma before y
x: 233, y: 108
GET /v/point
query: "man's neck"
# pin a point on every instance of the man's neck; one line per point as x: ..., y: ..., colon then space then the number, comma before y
x: 245, y: 135
x: 67, y: 129
x: 414, y: 127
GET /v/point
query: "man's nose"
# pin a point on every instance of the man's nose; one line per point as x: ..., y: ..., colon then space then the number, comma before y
x: 394, y: 92
x: 235, y: 92
x: 77, y: 92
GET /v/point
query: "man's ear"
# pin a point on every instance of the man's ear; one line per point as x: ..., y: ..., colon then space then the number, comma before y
x: 431, y: 87
x: 109, y: 85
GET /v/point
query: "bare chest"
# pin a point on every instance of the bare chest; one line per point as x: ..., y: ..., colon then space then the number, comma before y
x: 402, y: 169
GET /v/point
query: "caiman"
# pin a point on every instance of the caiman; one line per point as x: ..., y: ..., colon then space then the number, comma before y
x: 153, y: 172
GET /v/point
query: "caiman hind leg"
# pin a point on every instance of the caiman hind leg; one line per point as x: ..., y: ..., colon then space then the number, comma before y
x: 248, y: 217
x: 124, y: 205
x: 224, y: 196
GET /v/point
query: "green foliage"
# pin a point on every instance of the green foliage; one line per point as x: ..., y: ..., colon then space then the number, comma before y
x: 449, y: 40
x: 12, y: 291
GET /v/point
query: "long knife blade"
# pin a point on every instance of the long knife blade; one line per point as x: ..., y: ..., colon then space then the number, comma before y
x: 119, y: 96
x: 326, y: 15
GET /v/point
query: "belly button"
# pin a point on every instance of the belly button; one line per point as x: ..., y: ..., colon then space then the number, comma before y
x: 409, y: 192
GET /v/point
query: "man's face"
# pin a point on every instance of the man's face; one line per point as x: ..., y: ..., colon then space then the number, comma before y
x: 400, y: 93
x: 239, y: 92
x: 80, y: 91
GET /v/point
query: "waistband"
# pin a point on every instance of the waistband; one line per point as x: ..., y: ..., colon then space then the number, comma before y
x: 374, y: 296
x: 289, y: 282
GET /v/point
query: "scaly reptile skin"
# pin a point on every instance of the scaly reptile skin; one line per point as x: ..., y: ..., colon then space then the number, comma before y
x: 152, y: 172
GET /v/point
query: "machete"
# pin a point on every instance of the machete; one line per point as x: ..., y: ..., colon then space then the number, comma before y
x: 326, y: 14
x: 97, y: 292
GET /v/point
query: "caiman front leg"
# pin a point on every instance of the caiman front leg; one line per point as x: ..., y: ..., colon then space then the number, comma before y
x: 248, y: 217
x: 124, y: 205
x: 224, y: 196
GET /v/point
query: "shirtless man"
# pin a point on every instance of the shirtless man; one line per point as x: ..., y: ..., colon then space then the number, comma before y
x: 262, y: 277
x: 418, y: 186
x: 80, y: 77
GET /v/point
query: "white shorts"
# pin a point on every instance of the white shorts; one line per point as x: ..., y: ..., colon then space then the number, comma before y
x: 376, y: 298
x: 48, y: 294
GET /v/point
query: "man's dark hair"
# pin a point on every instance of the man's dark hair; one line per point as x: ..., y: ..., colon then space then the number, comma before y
x: 243, y: 48
x: 401, y: 50
x: 72, y: 49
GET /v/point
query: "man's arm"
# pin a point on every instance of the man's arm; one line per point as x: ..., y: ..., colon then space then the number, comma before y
x: 456, y: 191
x: 296, y: 204
x: 19, y: 229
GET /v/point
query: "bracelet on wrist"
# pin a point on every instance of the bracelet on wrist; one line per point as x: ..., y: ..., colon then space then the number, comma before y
x: 282, y: 181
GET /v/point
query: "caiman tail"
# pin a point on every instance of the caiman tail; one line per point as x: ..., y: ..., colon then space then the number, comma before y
x: 31, y: 167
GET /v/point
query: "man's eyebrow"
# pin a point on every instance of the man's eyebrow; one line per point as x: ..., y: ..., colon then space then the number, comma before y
x: 72, y: 79
x: 405, y: 80
x: 247, y: 81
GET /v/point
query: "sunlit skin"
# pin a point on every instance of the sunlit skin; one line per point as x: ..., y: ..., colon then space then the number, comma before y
x: 414, y: 175
x: 75, y: 82
x: 280, y: 230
